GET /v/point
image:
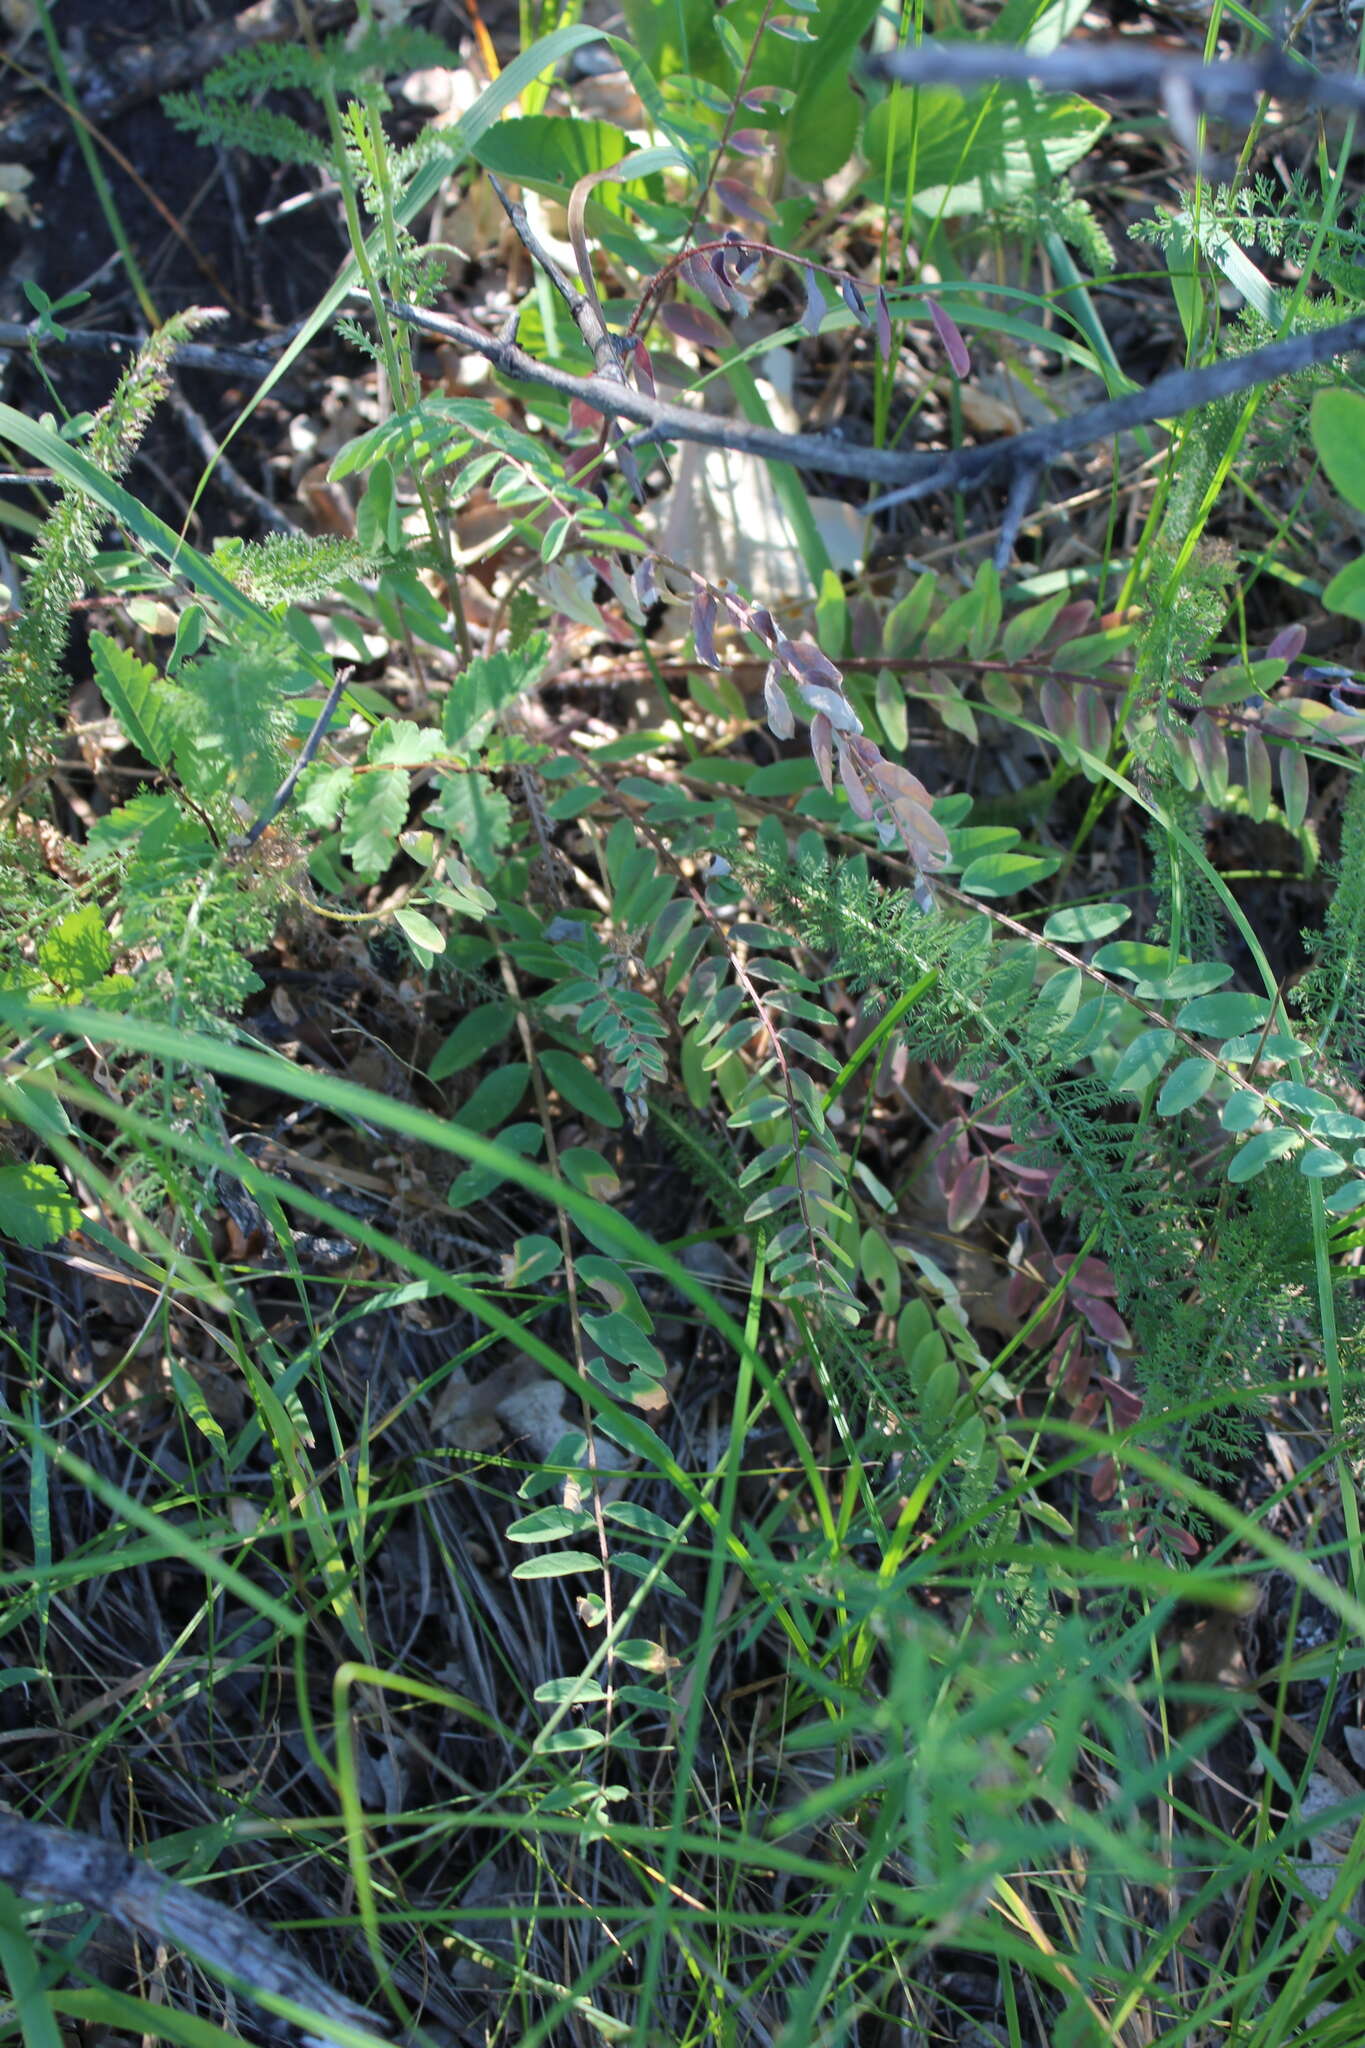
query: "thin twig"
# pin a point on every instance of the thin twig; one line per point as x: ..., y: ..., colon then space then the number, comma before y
x: 306, y: 752
x: 1228, y: 88
x: 254, y: 362
x: 910, y: 476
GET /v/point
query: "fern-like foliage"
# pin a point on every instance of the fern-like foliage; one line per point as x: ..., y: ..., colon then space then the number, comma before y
x: 229, y: 111
x: 1186, y: 1256
x: 31, y: 685
x: 1332, y: 993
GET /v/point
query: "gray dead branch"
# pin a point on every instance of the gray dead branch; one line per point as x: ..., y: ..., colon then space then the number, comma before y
x: 53, y: 1866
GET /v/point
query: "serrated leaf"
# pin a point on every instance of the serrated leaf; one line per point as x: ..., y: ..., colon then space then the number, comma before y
x: 477, y: 816
x: 35, y: 1207
x: 376, y: 812
x: 484, y: 686
x: 148, y: 710
x: 78, y: 953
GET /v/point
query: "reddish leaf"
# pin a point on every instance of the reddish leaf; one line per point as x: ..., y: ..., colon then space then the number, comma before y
x: 1093, y: 726
x: 781, y: 717
x: 704, y: 627
x: 749, y: 142
x: 816, y: 306
x: 883, y: 326
x: 1071, y: 619
x: 1127, y: 1405
x: 854, y: 780
x: 1105, y: 1320
x: 968, y: 1195
x: 700, y: 272
x: 1023, y: 1293
x: 1104, y: 1480
x: 694, y: 324
x: 809, y: 665
x: 644, y: 369
x: 1069, y: 1365
x: 741, y: 202
x: 1092, y: 1276
x: 953, y: 1153
x: 1288, y: 644
x: 822, y: 749
x: 854, y: 300
x: 1058, y: 708
x: 954, y: 347
x: 583, y: 418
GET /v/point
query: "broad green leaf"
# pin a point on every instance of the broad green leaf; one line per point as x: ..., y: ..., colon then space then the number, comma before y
x: 1337, y: 424
x: 474, y: 1035
x: 1089, y: 921
x: 1345, y: 1198
x: 1240, y: 1111
x: 973, y: 152
x: 1345, y: 593
x: 520, y: 1140
x: 642, y: 1520
x: 548, y: 1525
x: 1132, y: 960
x: 1319, y: 1162
x: 1220, y: 1016
x: 1339, y: 1124
x: 1259, y: 1152
x: 1140, y: 1065
x: 581, y: 1088
x: 1184, y: 1086
x: 1005, y: 874
x: 420, y: 929
x: 559, y: 1564
x: 881, y: 1270
x: 625, y: 1342
x: 531, y: 1258
x: 589, y: 1172
x: 1190, y: 978
x: 496, y: 1096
